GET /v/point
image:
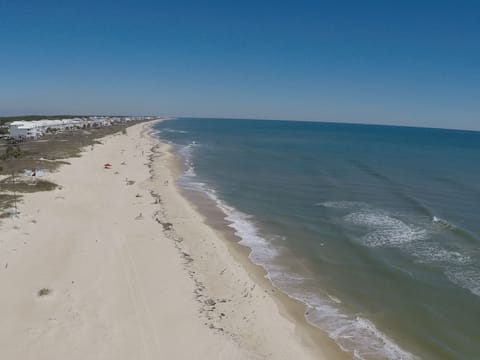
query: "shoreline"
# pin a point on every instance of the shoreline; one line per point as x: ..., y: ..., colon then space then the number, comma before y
x: 116, y: 263
x: 291, y: 309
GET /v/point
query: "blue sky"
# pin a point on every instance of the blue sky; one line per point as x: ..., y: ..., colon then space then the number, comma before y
x: 390, y: 62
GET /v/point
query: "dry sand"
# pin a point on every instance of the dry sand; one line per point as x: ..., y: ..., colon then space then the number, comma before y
x: 134, y: 272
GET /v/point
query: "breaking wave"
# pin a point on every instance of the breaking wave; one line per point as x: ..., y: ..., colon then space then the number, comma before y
x: 352, y: 333
x: 385, y: 230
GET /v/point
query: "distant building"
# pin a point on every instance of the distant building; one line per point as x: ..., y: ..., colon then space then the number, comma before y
x: 21, y: 130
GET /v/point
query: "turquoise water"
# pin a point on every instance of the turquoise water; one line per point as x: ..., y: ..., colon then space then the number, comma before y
x: 376, y: 229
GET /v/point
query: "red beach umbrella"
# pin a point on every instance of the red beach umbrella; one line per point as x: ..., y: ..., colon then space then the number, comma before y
x: 107, y: 165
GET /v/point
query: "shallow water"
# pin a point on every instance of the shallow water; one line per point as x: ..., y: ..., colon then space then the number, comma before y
x: 376, y: 229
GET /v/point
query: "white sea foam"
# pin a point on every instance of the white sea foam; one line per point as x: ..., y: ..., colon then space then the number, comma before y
x: 433, y: 253
x: 175, y: 131
x: 243, y: 227
x: 442, y: 223
x: 384, y: 230
x: 185, y: 179
x: 262, y: 251
x: 280, y: 274
x: 343, y: 204
x: 352, y: 333
x: 460, y: 269
x: 334, y: 299
x: 388, y: 231
x: 467, y: 278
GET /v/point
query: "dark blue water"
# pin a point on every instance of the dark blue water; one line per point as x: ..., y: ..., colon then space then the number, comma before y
x: 376, y: 229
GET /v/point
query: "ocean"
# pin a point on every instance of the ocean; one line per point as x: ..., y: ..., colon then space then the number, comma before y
x: 376, y: 229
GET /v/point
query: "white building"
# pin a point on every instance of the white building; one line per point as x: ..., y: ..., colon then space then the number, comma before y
x: 99, y: 121
x: 24, y: 130
x: 35, y: 129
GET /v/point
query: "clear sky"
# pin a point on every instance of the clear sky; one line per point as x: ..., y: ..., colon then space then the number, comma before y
x: 392, y: 62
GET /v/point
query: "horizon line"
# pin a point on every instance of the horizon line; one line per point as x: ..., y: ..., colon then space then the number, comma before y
x: 171, y: 117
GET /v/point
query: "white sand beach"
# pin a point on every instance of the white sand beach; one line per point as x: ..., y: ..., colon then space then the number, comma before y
x: 133, y: 271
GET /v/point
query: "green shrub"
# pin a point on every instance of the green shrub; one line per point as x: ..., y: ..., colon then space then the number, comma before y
x: 12, y: 151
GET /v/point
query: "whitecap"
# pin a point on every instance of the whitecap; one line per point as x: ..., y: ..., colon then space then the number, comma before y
x: 343, y: 204
x: 433, y: 253
x: 442, y: 223
x: 384, y: 230
x: 467, y: 278
x: 353, y: 333
x: 175, y: 131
